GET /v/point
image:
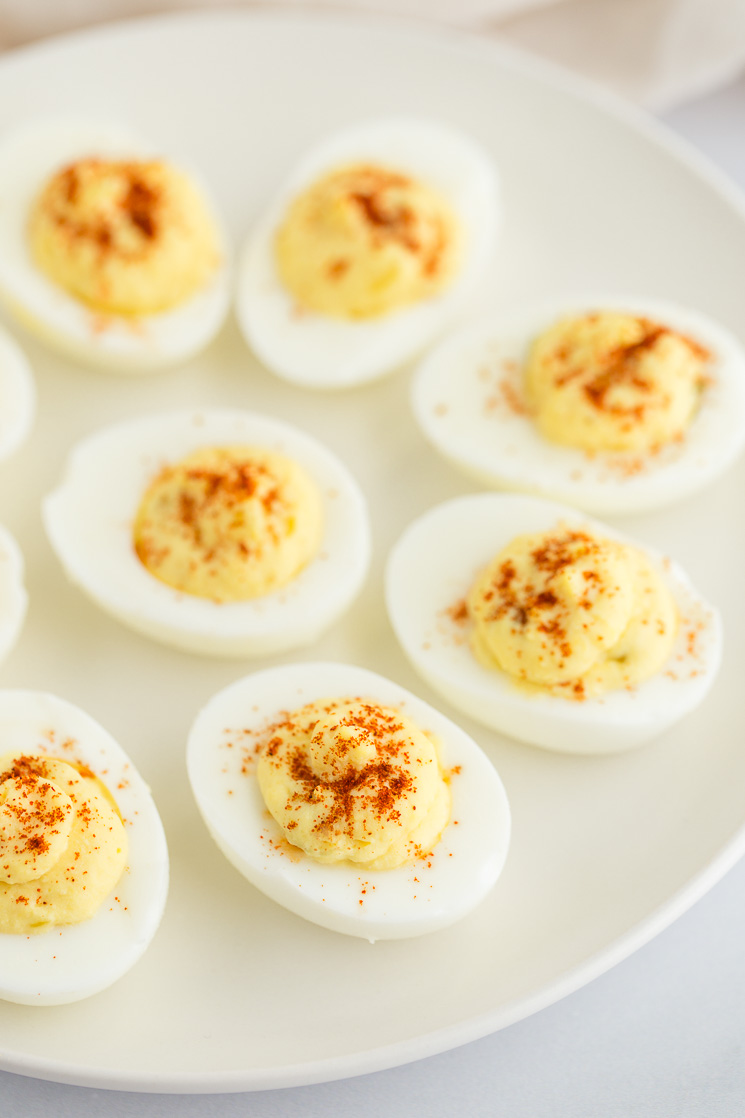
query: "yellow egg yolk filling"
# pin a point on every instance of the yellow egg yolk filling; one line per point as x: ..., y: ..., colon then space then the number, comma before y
x: 229, y: 523
x: 365, y: 240
x: 349, y: 780
x: 63, y: 846
x: 125, y: 237
x: 569, y: 613
x: 614, y: 382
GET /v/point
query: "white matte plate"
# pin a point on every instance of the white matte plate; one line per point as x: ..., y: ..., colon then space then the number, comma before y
x: 236, y: 993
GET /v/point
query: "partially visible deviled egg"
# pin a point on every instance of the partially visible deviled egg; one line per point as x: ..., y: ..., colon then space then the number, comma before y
x: 612, y: 404
x: 108, y: 251
x: 551, y: 627
x: 83, y: 856
x: 13, y: 596
x: 369, y: 250
x: 221, y: 532
x: 17, y: 396
x: 348, y: 800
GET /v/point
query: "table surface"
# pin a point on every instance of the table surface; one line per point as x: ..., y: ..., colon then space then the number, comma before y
x: 661, y: 1034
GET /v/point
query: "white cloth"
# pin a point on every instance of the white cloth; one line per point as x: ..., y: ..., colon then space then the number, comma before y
x: 657, y: 52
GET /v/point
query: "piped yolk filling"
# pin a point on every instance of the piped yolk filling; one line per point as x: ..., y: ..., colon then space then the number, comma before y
x: 63, y: 846
x: 125, y: 237
x: 614, y: 382
x: 350, y: 780
x: 364, y: 241
x: 229, y: 523
x: 571, y: 614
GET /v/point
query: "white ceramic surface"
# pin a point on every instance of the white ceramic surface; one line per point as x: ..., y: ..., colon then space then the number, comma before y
x: 235, y: 993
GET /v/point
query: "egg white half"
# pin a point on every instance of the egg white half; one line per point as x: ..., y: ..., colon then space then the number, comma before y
x: 384, y: 904
x: 13, y: 595
x: 468, y: 400
x: 319, y: 351
x: 128, y: 344
x: 431, y: 570
x: 89, y: 520
x: 66, y: 964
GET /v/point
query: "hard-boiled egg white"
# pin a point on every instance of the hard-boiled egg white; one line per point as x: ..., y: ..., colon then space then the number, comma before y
x: 385, y: 904
x: 318, y: 351
x: 17, y: 396
x: 67, y: 963
x: 469, y: 401
x: 28, y: 157
x: 429, y: 574
x: 13, y: 596
x: 89, y: 520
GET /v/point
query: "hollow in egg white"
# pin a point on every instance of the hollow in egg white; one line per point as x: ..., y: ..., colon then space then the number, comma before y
x: 317, y: 349
x: 67, y: 962
x: 90, y: 520
x: 429, y: 890
x: 430, y: 575
x: 48, y: 168
x: 469, y: 398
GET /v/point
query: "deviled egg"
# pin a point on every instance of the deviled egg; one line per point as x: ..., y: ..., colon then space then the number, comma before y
x: 612, y: 404
x: 369, y: 250
x: 221, y: 532
x: 548, y: 626
x: 108, y: 252
x: 83, y: 856
x: 348, y: 800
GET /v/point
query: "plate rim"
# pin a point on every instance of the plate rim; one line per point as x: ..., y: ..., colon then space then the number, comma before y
x: 399, y: 1053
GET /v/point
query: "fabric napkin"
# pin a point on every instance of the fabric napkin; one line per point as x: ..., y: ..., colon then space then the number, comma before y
x: 657, y: 52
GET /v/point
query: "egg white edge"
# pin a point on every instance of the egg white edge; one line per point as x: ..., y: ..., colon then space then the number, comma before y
x: 33, y: 968
x: 92, y: 540
x: 346, y: 353
x: 28, y: 157
x: 419, y: 597
x: 500, y: 448
x: 242, y: 828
